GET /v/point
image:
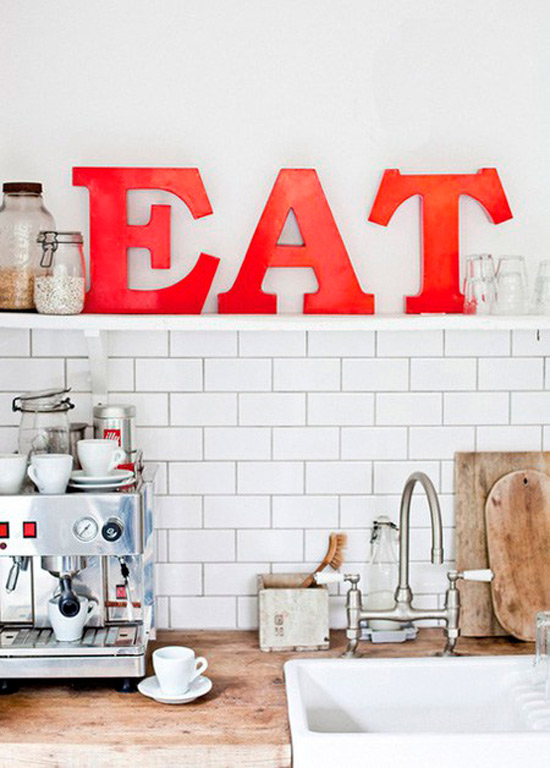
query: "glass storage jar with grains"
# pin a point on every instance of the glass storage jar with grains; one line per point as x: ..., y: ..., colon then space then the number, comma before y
x: 22, y: 217
x: 60, y: 289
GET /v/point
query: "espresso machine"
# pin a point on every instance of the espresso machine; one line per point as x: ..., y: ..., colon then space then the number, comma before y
x: 96, y: 545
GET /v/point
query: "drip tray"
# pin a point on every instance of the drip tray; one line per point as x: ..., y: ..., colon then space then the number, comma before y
x: 118, y: 639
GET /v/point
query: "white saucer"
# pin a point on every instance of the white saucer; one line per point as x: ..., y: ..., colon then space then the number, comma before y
x: 117, y: 475
x: 199, y: 687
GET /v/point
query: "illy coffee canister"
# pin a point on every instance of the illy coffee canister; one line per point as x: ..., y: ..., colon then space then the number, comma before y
x: 117, y: 422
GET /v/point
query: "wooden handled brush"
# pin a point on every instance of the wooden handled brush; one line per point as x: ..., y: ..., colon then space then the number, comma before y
x: 334, y: 557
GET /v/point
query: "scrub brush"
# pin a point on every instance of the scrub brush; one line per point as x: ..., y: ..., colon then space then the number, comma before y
x: 334, y: 556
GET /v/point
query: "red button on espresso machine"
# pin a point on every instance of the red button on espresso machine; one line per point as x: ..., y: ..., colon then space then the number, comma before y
x: 29, y: 530
x: 4, y: 530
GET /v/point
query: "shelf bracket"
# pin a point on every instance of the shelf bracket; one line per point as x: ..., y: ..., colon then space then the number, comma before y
x: 96, y: 341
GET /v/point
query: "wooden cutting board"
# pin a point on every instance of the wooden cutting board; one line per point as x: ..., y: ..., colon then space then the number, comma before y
x: 517, y: 514
x: 475, y: 475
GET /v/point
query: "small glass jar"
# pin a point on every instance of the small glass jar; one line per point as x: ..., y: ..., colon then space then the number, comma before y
x: 22, y: 217
x: 60, y: 290
x: 44, y: 426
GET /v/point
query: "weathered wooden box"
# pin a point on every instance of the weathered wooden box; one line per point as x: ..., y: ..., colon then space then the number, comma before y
x: 291, y: 618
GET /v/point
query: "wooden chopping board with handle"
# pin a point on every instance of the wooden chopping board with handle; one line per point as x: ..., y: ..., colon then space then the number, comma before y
x: 475, y: 474
x: 517, y: 513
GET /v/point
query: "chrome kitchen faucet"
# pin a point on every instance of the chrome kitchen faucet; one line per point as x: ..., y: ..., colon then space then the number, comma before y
x: 403, y: 610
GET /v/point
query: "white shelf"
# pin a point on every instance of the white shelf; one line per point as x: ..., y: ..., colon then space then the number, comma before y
x: 300, y: 322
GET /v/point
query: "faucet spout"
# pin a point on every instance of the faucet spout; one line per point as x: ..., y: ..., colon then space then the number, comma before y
x: 403, y: 590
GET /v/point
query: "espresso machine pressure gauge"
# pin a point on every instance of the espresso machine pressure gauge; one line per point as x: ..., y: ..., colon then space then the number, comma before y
x: 86, y: 529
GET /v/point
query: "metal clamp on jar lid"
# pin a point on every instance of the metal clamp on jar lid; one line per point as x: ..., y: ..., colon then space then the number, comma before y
x: 43, y: 401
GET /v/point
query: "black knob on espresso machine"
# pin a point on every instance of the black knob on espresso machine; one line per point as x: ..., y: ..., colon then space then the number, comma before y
x: 69, y: 604
x: 112, y: 530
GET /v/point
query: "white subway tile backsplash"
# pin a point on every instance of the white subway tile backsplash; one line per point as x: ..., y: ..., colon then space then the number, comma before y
x: 203, y: 409
x: 194, y: 546
x: 237, y: 511
x: 433, y: 374
x: 409, y: 344
x: 237, y: 443
x: 338, y: 477
x: 273, y: 409
x: 47, y: 343
x: 440, y: 442
x: 476, y: 408
x: 168, y: 375
x: 530, y: 343
x: 272, y: 344
x: 203, y: 343
x: 409, y: 409
x: 305, y: 375
x: 306, y: 443
x: 207, y: 477
x: 339, y: 409
x: 120, y: 372
x: 203, y: 613
x: 509, y: 438
x: 237, y: 375
x: 19, y: 374
x: 530, y: 407
x: 274, y: 545
x: 390, y: 476
x: 477, y: 344
x: 305, y: 511
x: 268, y: 441
x: 170, y: 443
x: 178, y: 579
x: 377, y: 375
x: 341, y: 343
x: 511, y: 373
x: 270, y: 477
x: 178, y: 512
x: 138, y: 344
x: 232, y: 578
x: 374, y: 443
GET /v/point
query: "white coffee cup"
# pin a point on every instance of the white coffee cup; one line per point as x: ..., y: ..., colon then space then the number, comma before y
x: 50, y: 472
x: 176, y: 667
x: 98, y: 457
x: 13, y: 468
x: 68, y: 629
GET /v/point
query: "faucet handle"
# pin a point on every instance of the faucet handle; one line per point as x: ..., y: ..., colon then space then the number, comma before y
x: 480, y: 574
x: 334, y: 577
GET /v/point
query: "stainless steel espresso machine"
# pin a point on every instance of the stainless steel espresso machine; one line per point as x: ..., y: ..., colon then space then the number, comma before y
x: 97, y: 545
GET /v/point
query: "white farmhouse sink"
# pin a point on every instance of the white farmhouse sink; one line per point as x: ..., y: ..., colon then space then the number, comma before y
x: 463, y: 712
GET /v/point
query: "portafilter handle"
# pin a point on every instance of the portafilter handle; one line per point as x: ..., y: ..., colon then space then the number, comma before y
x: 69, y: 604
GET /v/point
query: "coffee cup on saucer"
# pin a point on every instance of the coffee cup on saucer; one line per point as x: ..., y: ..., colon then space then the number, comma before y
x: 99, y: 457
x: 176, y: 667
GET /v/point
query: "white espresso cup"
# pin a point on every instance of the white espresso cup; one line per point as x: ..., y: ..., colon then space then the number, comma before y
x: 50, y: 472
x: 13, y: 469
x: 68, y: 629
x: 98, y: 457
x: 176, y: 667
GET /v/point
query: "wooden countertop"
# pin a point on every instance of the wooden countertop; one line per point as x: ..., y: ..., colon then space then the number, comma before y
x: 241, y: 722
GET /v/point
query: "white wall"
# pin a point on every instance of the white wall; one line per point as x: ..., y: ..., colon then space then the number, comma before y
x: 243, y: 88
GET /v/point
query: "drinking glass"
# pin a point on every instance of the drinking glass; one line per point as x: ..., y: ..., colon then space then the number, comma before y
x: 511, y: 285
x: 479, y: 285
x: 542, y: 660
x: 541, y: 293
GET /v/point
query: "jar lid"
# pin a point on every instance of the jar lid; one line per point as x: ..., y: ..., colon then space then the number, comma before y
x: 32, y: 187
x: 45, y: 400
x: 115, y: 411
x: 51, y: 237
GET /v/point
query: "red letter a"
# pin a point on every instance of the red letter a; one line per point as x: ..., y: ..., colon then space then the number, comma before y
x: 339, y: 291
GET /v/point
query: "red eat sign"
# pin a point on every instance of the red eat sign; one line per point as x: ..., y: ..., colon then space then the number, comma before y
x: 297, y: 190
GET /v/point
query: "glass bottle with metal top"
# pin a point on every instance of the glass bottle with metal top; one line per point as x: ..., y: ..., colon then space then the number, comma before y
x: 44, y: 426
x: 382, y: 576
x: 61, y: 289
x: 22, y: 217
